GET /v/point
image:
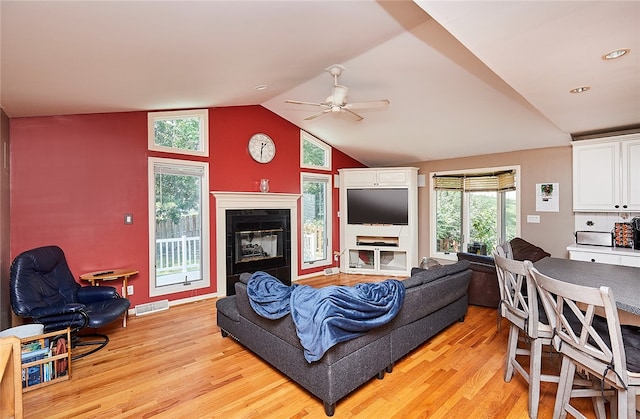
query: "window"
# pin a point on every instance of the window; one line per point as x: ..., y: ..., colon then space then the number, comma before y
x: 184, y: 132
x: 316, y: 220
x: 314, y: 154
x: 473, y: 211
x: 178, y: 226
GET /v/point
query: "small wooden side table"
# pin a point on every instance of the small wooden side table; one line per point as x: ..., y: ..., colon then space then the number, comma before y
x: 110, y: 275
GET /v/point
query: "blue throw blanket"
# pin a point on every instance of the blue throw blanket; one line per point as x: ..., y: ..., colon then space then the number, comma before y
x: 268, y: 296
x: 329, y: 315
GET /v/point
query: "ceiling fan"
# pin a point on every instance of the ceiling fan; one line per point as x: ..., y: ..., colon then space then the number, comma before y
x: 337, y: 102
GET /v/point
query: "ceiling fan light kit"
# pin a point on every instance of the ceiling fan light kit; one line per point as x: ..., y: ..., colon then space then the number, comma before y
x: 337, y: 102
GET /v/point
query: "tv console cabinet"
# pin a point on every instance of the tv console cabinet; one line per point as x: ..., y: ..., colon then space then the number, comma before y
x: 381, y: 249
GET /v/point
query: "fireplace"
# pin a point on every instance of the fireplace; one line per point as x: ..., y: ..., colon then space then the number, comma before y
x: 258, y: 240
x: 225, y: 253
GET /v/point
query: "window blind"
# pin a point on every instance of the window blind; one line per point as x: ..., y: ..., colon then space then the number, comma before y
x: 478, y: 182
x: 177, y: 169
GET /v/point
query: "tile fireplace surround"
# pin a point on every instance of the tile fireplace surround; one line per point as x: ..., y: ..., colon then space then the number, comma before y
x: 251, y: 200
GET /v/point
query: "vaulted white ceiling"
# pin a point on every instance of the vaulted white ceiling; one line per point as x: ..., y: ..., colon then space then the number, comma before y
x: 463, y: 78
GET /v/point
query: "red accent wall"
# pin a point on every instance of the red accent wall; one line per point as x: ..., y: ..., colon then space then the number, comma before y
x: 74, y: 177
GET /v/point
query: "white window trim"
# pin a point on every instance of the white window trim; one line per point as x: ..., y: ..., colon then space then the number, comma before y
x: 205, y: 239
x: 329, y: 212
x: 305, y: 136
x: 432, y: 205
x: 201, y: 114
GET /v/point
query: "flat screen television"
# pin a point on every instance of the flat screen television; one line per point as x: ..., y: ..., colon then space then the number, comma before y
x: 378, y: 206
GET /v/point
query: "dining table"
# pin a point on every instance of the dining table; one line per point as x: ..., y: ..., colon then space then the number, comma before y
x: 624, y: 281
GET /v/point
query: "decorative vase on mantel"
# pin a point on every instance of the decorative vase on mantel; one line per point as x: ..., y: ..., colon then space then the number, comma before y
x: 264, y: 185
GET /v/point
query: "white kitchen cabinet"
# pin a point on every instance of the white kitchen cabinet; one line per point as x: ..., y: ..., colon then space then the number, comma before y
x: 601, y: 254
x: 382, y: 248
x: 631, y: 173
x: 630, y: 261
x: 606, y: 174
x: 595, y: 257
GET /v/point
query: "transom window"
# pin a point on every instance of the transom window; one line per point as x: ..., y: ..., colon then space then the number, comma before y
x: 183, y: 132
x: 473, y: 211
x: 314, y: 153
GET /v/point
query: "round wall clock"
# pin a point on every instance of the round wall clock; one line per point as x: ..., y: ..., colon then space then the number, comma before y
x: 262, y: 148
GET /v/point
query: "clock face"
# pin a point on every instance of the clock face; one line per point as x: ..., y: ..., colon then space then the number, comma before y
x: 262, y: 148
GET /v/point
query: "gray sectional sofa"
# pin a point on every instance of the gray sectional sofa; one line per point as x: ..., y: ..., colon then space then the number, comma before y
x: 434, y: 299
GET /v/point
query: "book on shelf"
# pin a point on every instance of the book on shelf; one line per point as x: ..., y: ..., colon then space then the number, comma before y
x: 34, y: 345
x: 33, y: 374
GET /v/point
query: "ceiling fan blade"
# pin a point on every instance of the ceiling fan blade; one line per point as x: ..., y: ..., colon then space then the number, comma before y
x: 314, y: 116
x: 368, y: 105
x: 297, y: 102
x: 355, y: 115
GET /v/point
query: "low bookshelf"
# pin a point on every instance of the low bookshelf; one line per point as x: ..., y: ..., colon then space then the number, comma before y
x: 46, y: 359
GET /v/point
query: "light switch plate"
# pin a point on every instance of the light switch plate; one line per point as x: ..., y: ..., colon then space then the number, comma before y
x: 533, y: 219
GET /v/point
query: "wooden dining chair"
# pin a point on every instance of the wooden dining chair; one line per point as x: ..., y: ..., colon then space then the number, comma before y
x: 598, y: 345
x: 519, y: 305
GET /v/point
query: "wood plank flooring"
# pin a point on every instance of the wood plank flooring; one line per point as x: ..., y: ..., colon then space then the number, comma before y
x: 175, y: 364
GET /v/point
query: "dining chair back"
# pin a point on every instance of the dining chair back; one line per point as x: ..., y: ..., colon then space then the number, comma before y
x: 519, y: 305
x: 591, y: 342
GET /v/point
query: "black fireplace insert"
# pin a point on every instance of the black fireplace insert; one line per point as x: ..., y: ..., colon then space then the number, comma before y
x: 258, y: 240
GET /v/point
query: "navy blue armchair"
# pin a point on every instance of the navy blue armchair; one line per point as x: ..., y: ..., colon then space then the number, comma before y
x: 43, y: 289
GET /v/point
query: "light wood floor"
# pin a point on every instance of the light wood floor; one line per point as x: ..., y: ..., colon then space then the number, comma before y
x: 175, y: 364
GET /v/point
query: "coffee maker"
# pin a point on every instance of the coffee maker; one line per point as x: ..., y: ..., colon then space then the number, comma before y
x: 635, y: 226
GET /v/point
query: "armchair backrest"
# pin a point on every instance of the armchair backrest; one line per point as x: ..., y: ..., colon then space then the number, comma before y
x: 41, y: 278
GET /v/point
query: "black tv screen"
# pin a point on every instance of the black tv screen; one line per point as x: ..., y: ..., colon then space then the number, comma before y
x: 378, y: 206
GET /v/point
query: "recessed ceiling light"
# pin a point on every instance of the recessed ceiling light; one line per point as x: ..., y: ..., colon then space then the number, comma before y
x: 580, y: 89
x: 615, y: 54
x: 261, y: 87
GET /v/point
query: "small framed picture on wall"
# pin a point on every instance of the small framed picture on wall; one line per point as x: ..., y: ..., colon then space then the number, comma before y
x: 547, y: 197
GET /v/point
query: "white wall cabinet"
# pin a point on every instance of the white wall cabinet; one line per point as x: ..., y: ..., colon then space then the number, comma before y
x: 376, y: 177
x: 383, y: 249
x: 606, y: 174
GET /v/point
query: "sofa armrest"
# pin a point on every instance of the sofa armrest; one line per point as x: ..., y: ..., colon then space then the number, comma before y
x: 474, y: 258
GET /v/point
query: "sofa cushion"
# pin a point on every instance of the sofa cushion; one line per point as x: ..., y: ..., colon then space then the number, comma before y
x: 414, y: 280
x: 523, y: 250
x: 421, y: 276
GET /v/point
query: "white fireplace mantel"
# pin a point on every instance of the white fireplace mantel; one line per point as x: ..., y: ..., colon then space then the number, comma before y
x: 251, y: 200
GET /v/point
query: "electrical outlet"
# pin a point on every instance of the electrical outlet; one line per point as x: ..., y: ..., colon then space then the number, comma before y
x: 129, y: 289
x: 331, y: 271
